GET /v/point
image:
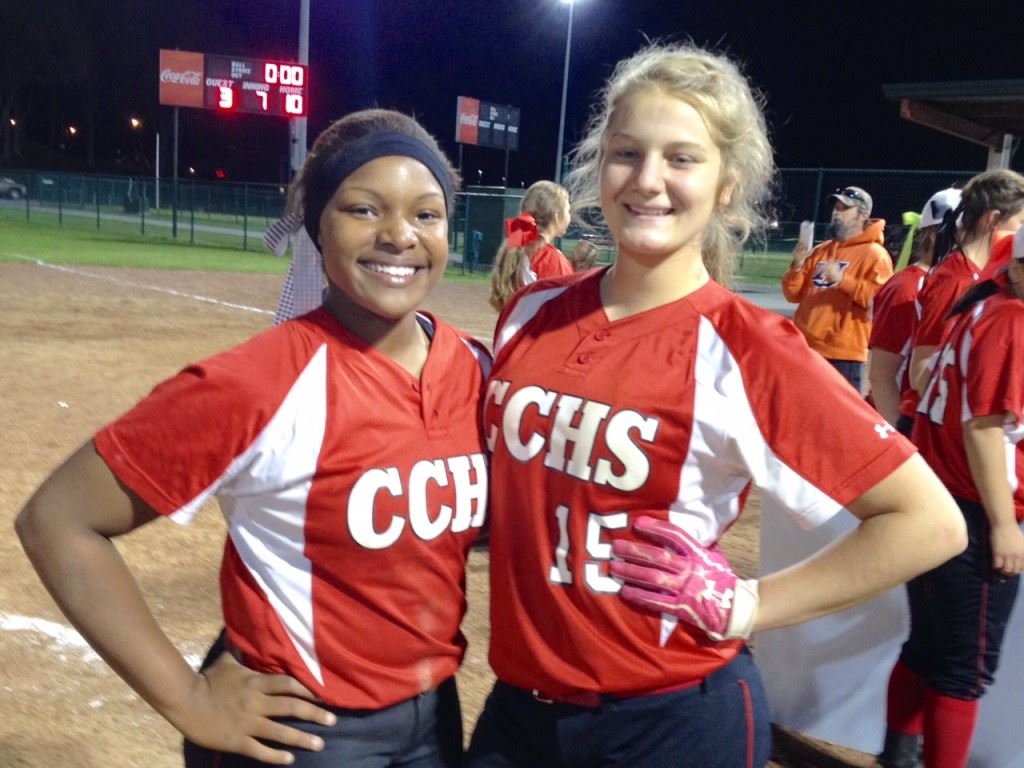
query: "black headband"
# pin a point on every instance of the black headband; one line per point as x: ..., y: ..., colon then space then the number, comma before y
x: 332, y: 173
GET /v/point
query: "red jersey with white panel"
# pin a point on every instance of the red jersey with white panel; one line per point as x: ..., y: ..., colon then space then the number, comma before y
x: 352, y: 493
x: 672, y: 412
x: 944, y: 285
x: 978, y: 373
x: 892, y: 328
x: 547, y: 261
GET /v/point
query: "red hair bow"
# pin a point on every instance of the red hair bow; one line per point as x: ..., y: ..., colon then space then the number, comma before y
x: 521, y: 231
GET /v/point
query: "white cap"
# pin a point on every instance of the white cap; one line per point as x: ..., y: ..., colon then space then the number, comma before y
x: 935, y: 209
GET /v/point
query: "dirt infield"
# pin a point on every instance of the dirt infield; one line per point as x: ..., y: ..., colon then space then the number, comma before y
x: 77, y: 347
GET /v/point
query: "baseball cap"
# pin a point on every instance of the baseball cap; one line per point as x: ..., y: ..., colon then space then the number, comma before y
x: 935, y: 209
x: 853, y: 196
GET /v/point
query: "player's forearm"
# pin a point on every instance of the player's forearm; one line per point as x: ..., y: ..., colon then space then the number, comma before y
x: 882, y: 373
x: 919, y: 368
x: 985, y: 443
x: 92, y: 585
x: 910, y: 524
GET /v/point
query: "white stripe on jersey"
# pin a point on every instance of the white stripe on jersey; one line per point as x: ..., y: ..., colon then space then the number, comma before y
x: 1013, y: 432
x: 725, y: 432
x: 521, y: 314
x: 269, y: 534
x: 483, y: 359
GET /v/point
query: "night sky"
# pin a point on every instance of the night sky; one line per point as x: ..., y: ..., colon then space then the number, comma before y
x: 821, y: 66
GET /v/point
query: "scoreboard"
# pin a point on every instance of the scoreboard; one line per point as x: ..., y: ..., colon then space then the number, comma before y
x: 236, y: 84
x: 233, y: 83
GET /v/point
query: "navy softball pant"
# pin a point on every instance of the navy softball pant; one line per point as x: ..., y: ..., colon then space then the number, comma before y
x: 422, y: 732
x: 721, y: 722
x: 958, y: 615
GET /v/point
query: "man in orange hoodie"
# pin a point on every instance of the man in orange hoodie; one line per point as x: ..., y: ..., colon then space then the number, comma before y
x: 834, y: 284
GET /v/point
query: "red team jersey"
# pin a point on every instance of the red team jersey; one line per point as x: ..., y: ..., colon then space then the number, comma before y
x: 672, y: 412
x: 547, y: 261
x: 978, y: 373
x: 352, y: 493
x: 943, y: 286
x: 892, y: 328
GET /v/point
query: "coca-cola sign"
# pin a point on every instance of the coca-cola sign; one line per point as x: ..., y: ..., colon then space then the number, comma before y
x: 181, y: 78
x: 187, y: 77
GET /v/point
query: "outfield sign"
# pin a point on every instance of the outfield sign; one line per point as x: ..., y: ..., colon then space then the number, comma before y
x: 486, y: 125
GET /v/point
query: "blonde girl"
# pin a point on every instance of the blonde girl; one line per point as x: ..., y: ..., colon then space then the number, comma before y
x: 628, y: 412
x: 527, y: 253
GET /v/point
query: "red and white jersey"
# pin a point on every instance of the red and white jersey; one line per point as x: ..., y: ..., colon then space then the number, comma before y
x: 978, y: 373
x: 892, y: 329
x: 352, y: 493
x: 672, y: 412
x: 944, y: 285
x: 547, y: 261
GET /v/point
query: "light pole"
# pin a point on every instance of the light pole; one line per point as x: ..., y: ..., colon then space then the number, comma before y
x: 565, y: 90
x: 298, y: 125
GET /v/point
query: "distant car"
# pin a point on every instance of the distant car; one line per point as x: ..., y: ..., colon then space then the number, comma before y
x: 11, y: 189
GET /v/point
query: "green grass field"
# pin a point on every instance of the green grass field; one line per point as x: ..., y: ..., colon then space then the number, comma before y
x: 110, y: 247
x: 123, y: 245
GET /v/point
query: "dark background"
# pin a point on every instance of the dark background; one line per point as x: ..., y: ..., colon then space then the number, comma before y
x: 94, y: 63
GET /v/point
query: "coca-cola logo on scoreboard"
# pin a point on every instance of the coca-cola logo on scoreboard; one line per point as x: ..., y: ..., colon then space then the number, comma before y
x: 181, y: 78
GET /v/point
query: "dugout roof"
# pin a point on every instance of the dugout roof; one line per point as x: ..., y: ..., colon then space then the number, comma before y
x: 981, y: 111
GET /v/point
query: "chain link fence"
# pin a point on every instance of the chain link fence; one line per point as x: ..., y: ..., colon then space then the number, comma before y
x: 235, y: 215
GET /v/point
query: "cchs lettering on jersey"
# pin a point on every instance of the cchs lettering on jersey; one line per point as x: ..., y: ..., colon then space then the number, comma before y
x: 677, y: 411
x: 352, y: 492
x: 977, y: 372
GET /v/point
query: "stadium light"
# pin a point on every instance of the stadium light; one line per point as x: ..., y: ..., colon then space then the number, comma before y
x: 565, y: 89
x: 73, y: 130
x: 13, y: 122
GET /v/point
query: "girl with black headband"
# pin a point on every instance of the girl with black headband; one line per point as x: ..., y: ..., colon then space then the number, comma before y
x: 345, y: 451
x: 969, y: 428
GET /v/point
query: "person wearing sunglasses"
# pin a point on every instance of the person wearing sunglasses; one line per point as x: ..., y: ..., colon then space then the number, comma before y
x: 833, y: 285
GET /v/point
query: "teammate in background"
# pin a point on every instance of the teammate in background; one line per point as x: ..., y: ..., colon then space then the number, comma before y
x: 639, y: 402
x: 583, y: 256
x: 991, y: 202
x: 345, y: 450
x: 527, y: 255
x: 969, y: 428
x: 895, y: 315
x: 834, y: 284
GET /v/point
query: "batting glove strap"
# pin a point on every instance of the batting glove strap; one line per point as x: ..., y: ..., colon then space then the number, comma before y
x: 744, y: 610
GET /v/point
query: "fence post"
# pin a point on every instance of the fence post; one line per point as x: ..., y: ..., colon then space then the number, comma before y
x: 60, y: 200
x: 97, y: 196
x: 465, y: 233
x: 192, y: 215
x: 142, y: 209
x: 245, y: 217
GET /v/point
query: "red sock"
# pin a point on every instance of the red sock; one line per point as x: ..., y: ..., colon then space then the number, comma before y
x: 905, y: 703
x: 948, y: 730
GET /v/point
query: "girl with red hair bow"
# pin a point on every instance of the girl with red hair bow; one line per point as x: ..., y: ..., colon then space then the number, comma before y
x: 527, y: 254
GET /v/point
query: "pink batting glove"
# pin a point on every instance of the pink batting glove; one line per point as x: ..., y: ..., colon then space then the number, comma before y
x: 680, y: 577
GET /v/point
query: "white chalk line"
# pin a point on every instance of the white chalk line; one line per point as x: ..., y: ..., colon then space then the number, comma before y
x: 144, y: 286
x: 63, y: 639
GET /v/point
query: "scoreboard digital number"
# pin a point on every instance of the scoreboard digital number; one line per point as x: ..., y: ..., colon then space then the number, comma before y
x: 259, y: 86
